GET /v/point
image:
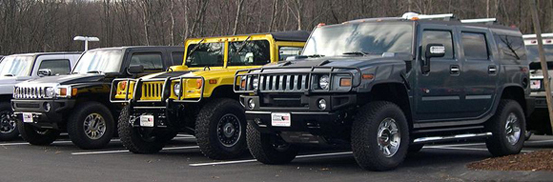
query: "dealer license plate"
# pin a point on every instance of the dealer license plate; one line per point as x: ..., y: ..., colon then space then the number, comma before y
x: 27, y: 117
x: 535, y: 84
x: 281, y: 119
x: 147, y: 120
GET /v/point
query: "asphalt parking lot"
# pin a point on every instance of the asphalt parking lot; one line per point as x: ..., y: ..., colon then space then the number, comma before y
x: 181, y: 160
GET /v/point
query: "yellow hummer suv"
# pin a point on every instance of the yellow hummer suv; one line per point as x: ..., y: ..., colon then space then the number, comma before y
x: 197, y: 97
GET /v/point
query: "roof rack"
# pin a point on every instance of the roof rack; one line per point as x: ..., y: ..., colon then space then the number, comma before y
x: 413, y: 15
x: 480, y: 20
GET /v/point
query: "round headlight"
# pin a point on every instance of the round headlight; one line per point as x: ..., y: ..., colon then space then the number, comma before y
x: 251, y: 104
x: 322, y: 104
x: 324, y: 82
x: 49, y: 92
x: 255, y: 83
x: 176, y: 89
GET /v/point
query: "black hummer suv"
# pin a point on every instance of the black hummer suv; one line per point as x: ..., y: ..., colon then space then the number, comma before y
x: 388, y: 86
x: 79, y: 103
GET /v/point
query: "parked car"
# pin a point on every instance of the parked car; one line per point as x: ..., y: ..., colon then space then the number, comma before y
x: 21, y: 67
x: 79, y: 103
x: 388, y: 86
x: 197, y: 97
x: 539, y: 120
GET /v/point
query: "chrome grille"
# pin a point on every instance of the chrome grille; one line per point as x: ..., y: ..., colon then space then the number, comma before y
x: 29, y: 92
x: 282, y: 83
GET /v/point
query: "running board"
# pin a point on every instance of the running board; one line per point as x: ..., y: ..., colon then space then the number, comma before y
x: 425, y: 140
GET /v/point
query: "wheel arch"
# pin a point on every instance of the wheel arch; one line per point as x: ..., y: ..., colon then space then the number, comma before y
x: 393, y: 92
x: 516, y: 93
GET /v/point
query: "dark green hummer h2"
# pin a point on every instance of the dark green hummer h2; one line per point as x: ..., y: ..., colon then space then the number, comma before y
x: 387, y: 86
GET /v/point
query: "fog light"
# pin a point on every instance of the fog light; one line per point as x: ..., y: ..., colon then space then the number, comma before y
x: 47, y: 107
x: 322, y: 104
x: 251, y: 104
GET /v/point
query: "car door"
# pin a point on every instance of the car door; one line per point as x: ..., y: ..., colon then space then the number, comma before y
x: 480, y: 71
x: 438, y: 92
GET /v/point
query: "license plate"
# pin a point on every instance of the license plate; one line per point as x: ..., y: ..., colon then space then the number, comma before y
x: 27, y: 117
x: 535, y: 84
x: 147, y: 120
x: 281, y: 119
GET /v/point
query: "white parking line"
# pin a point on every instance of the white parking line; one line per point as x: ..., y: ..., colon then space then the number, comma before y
x: 125, y: 151
x: 26, y: 143
x: 254, y: 160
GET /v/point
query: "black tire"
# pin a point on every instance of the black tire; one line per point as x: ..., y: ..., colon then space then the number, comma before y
x: 263, y: 147
x: 36, y: 136
x: 132, y: 138
x: 84, y: 113
x: 498, y: 144
x: 210, y: 135
x: 8, y: 126
x: 365, y: 129
x: 415, y: 148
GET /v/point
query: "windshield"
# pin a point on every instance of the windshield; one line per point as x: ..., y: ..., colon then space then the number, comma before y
x: 364, y: 38
x: 533, y: 55
x: 205, y: 54
x: 16, y: 66
x: 100, y: 61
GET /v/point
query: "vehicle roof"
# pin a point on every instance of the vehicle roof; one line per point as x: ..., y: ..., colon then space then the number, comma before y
x: 138, y: 47
x: 533, y: 36
x: 441, y: 21
x: 295, y: 36
x: 44, y: 53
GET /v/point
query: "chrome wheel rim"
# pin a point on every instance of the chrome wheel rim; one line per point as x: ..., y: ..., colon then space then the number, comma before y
x: 94, y: 126
x: 388, y: 137
x: 229, y: 130
x: 512, y: 129
x: 7, y: 123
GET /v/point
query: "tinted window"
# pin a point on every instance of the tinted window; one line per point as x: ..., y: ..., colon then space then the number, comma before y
x: 60, y: 66
x: 370, y: 38
x: 206, y: 54
x: 284, y: 52
x: 177, y: 58
x: 511, y: 47
x: 438, y: 37
x: 474, y: 46
x: 148, y: 60
x: 255, y: 52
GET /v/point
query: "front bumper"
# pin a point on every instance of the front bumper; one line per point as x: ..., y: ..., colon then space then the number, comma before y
x: 43, y: 117
x: 329, y: 122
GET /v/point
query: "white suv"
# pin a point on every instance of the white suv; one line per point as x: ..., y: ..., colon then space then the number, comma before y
x: 21, y: 67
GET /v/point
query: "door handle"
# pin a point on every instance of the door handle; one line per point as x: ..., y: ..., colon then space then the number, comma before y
x: 454, y: 69
x: 492, y: 69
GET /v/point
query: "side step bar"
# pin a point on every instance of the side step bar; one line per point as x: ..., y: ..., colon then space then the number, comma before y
x: 425, y: 140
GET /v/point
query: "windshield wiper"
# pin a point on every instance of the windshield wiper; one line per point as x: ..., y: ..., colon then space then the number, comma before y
x: 94, y: 72
x: 360, y: 53
x: 196, y: 47
x: 315, y: 55
x: 241, y: 47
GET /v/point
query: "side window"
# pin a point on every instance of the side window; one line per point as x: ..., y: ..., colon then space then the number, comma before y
x: 474, y: 46
x: 205, y: 54
x: 255, y: 52
x: 177, y: 57
x: 57, y: 66
x: 438, y: 37
x: 284, y: 52
x: 511, y: 47
x: 148, y: 60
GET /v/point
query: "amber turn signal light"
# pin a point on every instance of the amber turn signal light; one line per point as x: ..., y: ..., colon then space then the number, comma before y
x: 122, y: 85
x: 345, y: 82
x: 368, y: 76
x: 243, y: 84
x: 198, y: 83
x: 63, y: 91
x: 73, y: 91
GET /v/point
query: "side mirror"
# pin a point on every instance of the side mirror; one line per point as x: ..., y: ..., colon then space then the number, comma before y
x: 432, y: 51
x: 133, y: 70
x: 44, y: 72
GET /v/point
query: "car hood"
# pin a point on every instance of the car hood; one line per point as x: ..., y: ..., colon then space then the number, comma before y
x: 67, y: 79
x: 342, y: 61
